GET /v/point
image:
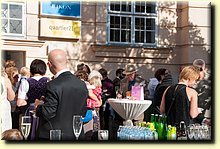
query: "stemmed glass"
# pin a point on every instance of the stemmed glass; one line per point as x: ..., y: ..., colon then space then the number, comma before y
x: 25, y: 126
x: 190, y: 131
x: 77, y: 125
x: 196, y: 132
x: 118, y: 92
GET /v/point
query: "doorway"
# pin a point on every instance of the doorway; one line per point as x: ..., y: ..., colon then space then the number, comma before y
x: 18, y: 56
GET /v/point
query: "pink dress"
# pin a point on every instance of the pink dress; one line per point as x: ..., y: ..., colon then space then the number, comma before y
x: 92, y: 103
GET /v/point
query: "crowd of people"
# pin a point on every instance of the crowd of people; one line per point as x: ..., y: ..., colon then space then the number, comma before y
x: 52, y: 102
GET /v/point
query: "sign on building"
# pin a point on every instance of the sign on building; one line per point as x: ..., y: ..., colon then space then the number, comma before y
x: 59, y: 28
x: 61, y: 8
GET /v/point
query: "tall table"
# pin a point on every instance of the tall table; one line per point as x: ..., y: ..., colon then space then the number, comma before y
x: 129, y: 109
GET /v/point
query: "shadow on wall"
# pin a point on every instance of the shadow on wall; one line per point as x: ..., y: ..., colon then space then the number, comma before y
x: 167, y: 35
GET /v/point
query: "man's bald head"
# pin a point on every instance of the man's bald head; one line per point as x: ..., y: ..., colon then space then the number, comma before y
x: 58, y: 59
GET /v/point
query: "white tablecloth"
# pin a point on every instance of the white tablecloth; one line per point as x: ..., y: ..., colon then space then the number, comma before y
x: 129, y: 109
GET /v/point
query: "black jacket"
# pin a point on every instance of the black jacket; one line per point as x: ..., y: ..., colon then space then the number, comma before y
x: 65, y: 96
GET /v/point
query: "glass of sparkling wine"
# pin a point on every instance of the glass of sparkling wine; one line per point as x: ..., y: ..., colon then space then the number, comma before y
x: 77, y: 125
x: 25, y: 126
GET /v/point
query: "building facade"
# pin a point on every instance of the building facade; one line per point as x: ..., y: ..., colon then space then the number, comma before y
x: 109, y: 34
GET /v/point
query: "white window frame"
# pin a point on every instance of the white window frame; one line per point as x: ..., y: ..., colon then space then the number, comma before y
x: 133, y: 15
x: 23, y: 19
x: 120, y: 27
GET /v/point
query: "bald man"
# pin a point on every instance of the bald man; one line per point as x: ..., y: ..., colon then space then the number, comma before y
x: 65, y: 96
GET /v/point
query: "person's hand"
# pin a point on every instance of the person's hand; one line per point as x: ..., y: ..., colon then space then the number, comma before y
x: 99, y: 103
x: 119, y: 96
x: 37, y: 103
x: 206, y: 121
x: 42, y: 98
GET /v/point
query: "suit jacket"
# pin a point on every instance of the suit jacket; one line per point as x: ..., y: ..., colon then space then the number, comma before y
x: 65, y: 96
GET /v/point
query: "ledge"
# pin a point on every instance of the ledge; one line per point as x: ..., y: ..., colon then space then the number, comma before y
x: 29, y: 43
x: 113, y: 51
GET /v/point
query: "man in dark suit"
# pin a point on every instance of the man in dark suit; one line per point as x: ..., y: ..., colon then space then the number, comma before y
x: 65, y: 96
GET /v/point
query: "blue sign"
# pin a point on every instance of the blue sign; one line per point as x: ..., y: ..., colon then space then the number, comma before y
x: 61, y: 8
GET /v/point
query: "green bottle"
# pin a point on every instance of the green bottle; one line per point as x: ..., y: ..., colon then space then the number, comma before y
x: 165, y: 128
x: 160, y: 128
x: 152, y: 119
x: 156, y: 121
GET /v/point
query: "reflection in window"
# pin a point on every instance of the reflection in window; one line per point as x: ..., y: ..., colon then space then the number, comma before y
x: 145, y: 7
x: 132, y: 22
x: 12, y: 18
x: 120, y: 6
x: 115, y: 6
x: 15, y: 11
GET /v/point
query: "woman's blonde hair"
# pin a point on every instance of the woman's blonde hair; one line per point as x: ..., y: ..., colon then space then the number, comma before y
x: 25, y: 71
x: 12, y: 72
x: 96, y: 81
x: 10, y: 63
x: 189, y: 73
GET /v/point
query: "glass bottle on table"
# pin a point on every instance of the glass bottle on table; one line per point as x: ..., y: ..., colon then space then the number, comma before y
x: 169, y: 128
x: 156, y: 121
x: 152, y: 119
x: 173, y: 133
x: 160, y: 127
x: 182, y: 131
x: 155, y: 134
x: 165, y: 127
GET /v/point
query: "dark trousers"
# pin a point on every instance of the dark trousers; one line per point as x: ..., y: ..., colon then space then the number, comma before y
x: 15, y: 119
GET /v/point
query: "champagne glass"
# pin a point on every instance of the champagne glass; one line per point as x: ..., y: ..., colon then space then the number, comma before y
x: 118, y: 92
x: 196, y: 132
x: 77, y: 125
x: 25, y: 126
x: 190, y: 131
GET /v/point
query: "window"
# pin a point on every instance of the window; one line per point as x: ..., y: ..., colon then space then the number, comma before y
x: 132, y: 22
x: 12, y: 17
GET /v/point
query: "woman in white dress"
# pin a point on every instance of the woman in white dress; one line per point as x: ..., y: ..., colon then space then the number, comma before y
x: 7, y: 95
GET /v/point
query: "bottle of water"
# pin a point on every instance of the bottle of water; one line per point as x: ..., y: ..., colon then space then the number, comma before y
x: 169, y: 128
x: 173, y: 133
x: 155, y: 134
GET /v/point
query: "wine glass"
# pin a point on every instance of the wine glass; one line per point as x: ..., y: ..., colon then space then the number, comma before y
x: 118, y: 92
x: 196, y: 132
x: 190, y: 131
x: 77, y: 125
x: 25, y: 126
